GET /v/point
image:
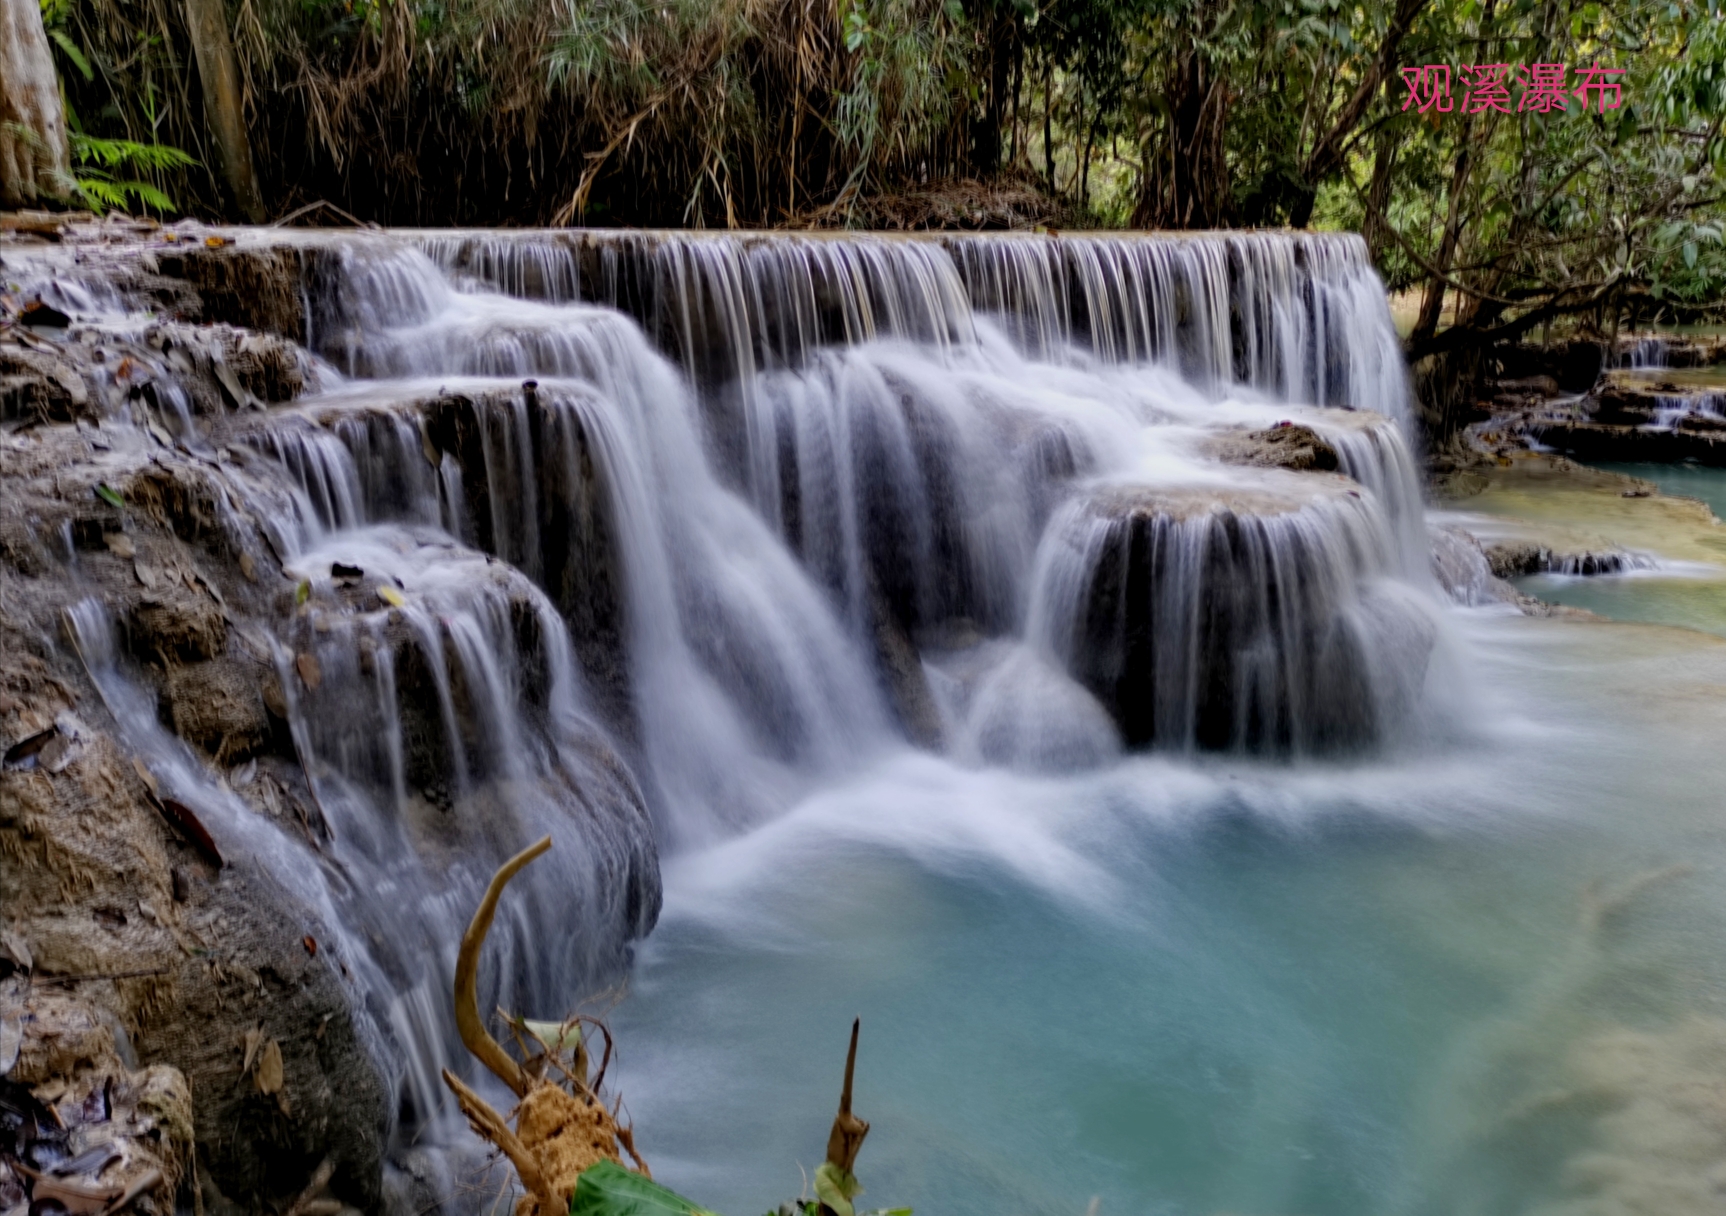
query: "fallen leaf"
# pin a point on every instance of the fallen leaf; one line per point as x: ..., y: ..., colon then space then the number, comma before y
x: 23, y: 750
x: 185, y: 819
x: 215, y: 242
x: 307, y: 665
x: 311, y: 944
x: 150, y: 576
x: 109, y: 495
x: 57, y: 754
x: 146, y: 776
x: 248, y: 567
x: 391, y: 596
x: 11, y: 1041
x: 254, y: 1039
x: 12, y: 946
x: 268, y: 1076
x: 120, y: 545
x: 303, y: 592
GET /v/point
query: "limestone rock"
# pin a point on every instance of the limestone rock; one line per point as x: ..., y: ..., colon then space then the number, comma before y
x: 218, y: 705
x: 1279, y: 634
x: 175, y: 624
x: 1285, y: 446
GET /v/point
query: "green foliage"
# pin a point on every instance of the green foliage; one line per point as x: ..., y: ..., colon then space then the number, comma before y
x: 836, y: 1188
x: 607, y: 1189
x: 96, y: 160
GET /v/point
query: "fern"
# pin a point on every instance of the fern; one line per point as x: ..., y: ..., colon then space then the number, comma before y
x: 103, y: 190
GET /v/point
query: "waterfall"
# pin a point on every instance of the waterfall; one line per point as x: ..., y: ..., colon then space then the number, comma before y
x: 640, y: 539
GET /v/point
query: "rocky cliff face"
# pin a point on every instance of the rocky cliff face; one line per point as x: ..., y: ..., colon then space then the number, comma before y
x: 159, y: 658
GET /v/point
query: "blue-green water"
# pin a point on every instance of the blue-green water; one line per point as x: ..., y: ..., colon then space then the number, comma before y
x: 1685, y: 480
x: 1403, y: 986
x: 1687, y: 597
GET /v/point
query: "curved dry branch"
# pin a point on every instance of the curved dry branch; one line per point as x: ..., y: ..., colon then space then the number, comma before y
x: 490, y: 1125
x: 467, y: 1019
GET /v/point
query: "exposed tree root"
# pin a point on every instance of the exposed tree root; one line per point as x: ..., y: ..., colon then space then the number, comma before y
x: 562, y: 1128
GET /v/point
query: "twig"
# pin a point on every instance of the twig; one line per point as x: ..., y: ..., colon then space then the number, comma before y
x: 310, y: 207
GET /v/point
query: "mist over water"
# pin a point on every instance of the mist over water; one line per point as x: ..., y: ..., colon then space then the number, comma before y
x: 896, y: 607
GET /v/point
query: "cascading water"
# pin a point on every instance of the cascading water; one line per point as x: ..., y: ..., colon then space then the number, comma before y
x: 747, y: 517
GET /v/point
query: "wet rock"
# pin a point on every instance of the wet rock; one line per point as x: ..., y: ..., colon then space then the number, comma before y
x: 174, y: 624
x: 256, y: 288
x: 1248, y: 620
x: 87, y: 1126
x: 192, y: 976
x: 1513, y: 559
x: 1594, y: 441
x: 1285, y: 446
x: 218, y: 705
x: 40, y: 384
x: 1460, y: 565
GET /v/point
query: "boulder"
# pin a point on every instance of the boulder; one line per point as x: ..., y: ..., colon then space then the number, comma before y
x: 1287, y: 445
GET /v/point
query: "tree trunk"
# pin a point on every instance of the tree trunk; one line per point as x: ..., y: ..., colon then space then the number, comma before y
x: 1373, y: 223
x: 224, y: 107
x: 1187, y: 184
x: 1432, y: 304
x: 33, y: 158
x: 986, y: 131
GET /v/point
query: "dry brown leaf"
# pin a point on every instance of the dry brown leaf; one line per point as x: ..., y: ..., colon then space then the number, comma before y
x: 248, y: 567
x: 311, y: 674
x: 268, y: 1076
x: 120, y: 545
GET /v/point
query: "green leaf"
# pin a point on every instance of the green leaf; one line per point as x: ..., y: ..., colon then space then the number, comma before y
x: 73, y: 53
x: 554, y: 1035
x: 835, y: 1188
x: 109, y: 495
x: 607, y: 1189
x: 303, y: 592
x: 1690, y: 254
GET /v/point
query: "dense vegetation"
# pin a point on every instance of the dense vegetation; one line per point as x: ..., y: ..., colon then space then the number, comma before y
x: 1166, y: 113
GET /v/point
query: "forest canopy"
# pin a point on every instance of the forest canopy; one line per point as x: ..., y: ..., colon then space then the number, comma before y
x: 1514, y: 160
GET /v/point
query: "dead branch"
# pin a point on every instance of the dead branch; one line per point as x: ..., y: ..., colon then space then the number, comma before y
x: 846, y: 1138
x: 489, y: 1125
x: 467, y: 1019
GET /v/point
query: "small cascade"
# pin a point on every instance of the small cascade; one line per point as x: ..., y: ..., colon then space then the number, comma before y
x: 442, y: 722
x: 1646, y: 353
x: 1257, y: 618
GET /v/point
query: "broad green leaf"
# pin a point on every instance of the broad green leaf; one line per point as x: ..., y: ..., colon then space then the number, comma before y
x: 109, y: 495
x: 1690, y: 254
x: 836, y: 1189
x: 303, y: 592
x: 607, y: 1189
